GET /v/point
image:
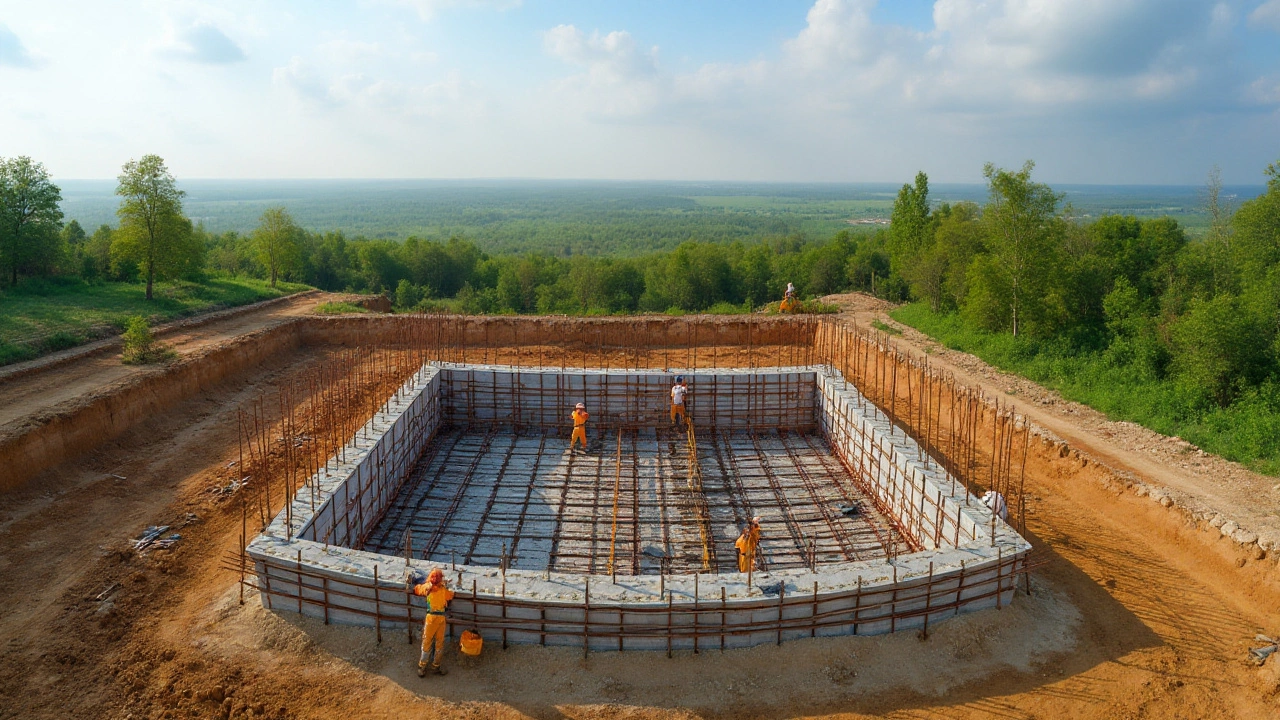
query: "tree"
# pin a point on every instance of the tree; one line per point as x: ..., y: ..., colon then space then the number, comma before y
x: 1220, y: 347
x: 1020, y: 237
x: 97, y: 255
x: 910, y: 231
x: 1255, y: 247
x: 957, y: 239
x: 29, y: 215
x: 73, y: 234
x: 152, y: 230
x: 278, y: 241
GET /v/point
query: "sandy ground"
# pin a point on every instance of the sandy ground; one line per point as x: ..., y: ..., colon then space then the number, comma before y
x: 1137, y: 614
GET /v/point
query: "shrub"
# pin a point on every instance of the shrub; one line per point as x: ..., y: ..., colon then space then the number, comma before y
x: 140, y: 346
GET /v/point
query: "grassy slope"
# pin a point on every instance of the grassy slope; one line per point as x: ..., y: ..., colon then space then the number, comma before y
x: 44, y: 315
x: 1247, y: 432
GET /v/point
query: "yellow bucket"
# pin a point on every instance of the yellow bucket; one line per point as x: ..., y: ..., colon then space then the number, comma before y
x: 472, y: 643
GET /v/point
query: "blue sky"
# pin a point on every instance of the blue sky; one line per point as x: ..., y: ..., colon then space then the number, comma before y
x: 1095, y: 91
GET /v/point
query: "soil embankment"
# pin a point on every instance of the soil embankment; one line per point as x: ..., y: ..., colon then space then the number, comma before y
x: 53, y: 413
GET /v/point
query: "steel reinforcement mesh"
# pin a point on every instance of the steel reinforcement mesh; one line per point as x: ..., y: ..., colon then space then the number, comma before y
x: 489, y: 496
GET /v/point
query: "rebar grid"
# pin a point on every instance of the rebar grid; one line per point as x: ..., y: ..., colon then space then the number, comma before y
x: 476, y: 495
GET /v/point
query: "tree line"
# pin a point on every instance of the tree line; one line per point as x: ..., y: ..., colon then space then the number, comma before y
x: 155, y: 241
x: 1204, y: 312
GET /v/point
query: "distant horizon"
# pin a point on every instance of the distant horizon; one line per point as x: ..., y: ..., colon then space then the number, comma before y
x: 1260, y: 186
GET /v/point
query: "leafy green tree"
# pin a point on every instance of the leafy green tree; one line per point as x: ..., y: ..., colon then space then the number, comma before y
x: 958, y: 236
x: 30, y: 218
x: 1220, y: 348
x: 826, y: 264
x: 72, y: 234
x: 407, y: 295
x: 97, y: 254
x: 754, y: 271
x: 910, y: 232
x: 278, y: 242
x: 153, y: 231
x: 1255, y: 246
x: 1021, y: 244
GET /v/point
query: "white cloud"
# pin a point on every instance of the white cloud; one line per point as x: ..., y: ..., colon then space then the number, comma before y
x: 840, y: 32
x: 1265, y: 90
x: 204, y: 43
x: 314, y: 90
x: 619, y: 79
x: 1266, y: 15
x: 428, y: 9
x: 12, y: 52
x: 351, y: 51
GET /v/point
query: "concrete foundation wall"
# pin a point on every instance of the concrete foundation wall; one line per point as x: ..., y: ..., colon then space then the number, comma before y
x: 973, y: 562
x: 932, y: 509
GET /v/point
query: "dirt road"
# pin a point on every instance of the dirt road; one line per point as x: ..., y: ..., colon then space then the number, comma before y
x: 1137, y: 615
x: 1206, y: 484
x: 36, y: 392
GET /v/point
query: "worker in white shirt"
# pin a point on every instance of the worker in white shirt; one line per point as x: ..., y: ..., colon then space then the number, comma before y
x: 678, y: 392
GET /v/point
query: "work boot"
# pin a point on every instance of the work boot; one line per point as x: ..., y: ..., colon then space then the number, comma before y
x: 437, y: 670
x: 422, y: 670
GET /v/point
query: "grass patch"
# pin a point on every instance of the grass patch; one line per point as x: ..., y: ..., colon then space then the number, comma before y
x: 43, y: 315
x: 885, y: 328
x: 1248, y: 431
x: 340, y: 308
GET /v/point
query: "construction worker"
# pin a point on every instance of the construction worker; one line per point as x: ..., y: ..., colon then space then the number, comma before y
x: 436, y: 591
x: 996, y: 504
x: 747, y: 543
x: 678, y: 392
x: 790, y: 303
x: 579, y: 418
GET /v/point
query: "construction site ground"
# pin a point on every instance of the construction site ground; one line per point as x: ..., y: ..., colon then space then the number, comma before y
x: 1137, y: 613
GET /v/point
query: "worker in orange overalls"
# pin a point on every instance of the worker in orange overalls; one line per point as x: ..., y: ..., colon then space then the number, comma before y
x: 579, y: 418
x: 678, y: 393
x: 436, y: 591
x: 747, y: 543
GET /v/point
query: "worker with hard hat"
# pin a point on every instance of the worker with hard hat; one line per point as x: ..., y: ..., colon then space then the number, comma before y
x: 436, y: 590
x: 747, y: 544
x: 678, y: 392
x: 579, y: 418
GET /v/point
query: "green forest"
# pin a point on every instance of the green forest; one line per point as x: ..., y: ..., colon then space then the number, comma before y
x: 1128, y: 315
x: 1141, y: 316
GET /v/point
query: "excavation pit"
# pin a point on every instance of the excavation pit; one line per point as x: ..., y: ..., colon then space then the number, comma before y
x: 630, y: 546
x: 493, y: 496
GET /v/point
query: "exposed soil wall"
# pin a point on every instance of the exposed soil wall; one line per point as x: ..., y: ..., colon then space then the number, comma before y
x: 441, y: 331
x: 67, y: 432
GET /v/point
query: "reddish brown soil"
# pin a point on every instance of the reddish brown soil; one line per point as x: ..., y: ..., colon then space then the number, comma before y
x: 1138, y: 614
